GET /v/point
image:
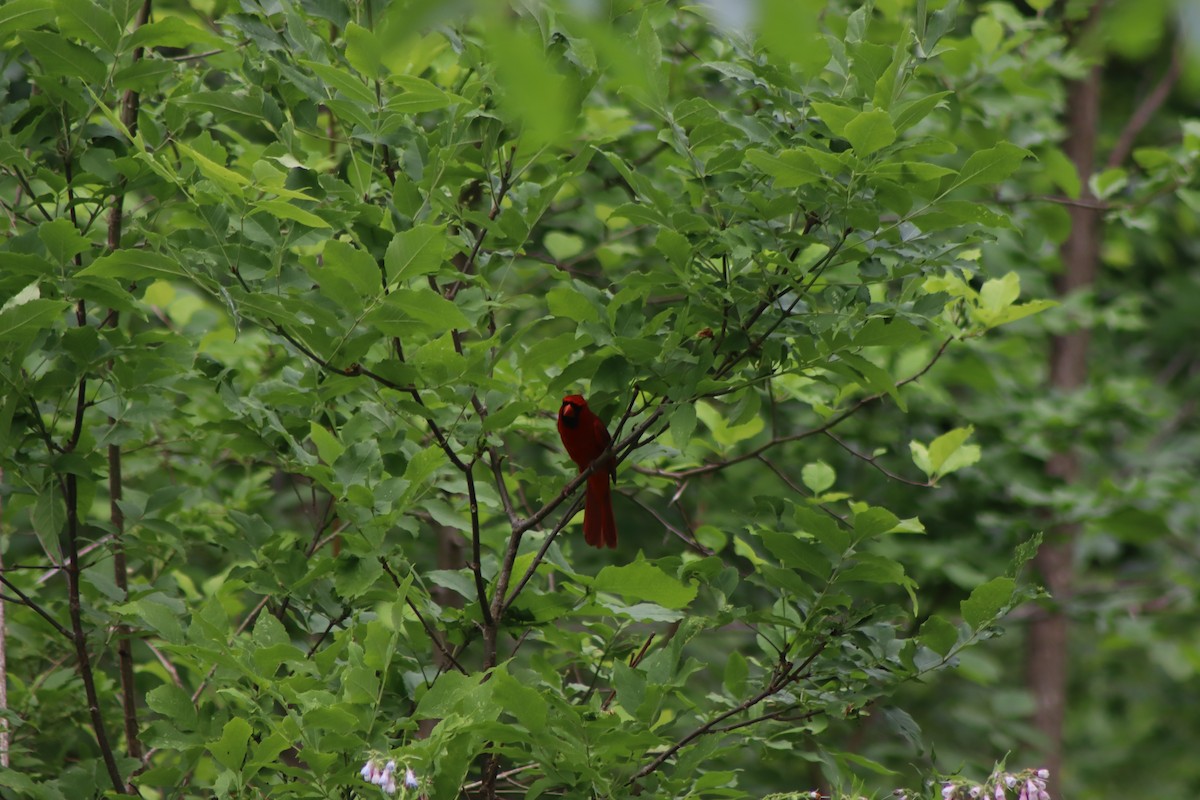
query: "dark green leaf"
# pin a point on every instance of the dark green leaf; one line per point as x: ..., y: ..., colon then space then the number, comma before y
x: 415, y: 252
x: 60, y: 57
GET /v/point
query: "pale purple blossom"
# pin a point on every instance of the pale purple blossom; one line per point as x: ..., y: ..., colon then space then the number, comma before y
x: 382, y: 776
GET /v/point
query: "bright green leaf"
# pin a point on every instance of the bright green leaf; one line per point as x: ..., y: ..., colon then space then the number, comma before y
x: 790, y: 168
x: 870, y: 131
x: 817, y: 476
x: 991, y: 165
x: 644, y: 581
x: 230, y: 749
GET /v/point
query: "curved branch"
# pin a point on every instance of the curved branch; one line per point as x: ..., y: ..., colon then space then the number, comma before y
x: 832, y: 422
x: 1148, y: 108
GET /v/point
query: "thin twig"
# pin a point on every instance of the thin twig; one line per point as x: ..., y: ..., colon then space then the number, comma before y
x: 874, y: 462
x: 829, y: 424
x: 25, y: 600
x: 777, y: 684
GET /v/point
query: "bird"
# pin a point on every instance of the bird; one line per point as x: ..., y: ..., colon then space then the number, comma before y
x: 585, y: 438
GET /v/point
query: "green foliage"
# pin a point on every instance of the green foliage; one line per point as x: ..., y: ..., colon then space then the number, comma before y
x: 292, y: 291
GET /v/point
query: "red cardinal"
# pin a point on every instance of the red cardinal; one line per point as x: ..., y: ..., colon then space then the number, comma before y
x: 585, y: 437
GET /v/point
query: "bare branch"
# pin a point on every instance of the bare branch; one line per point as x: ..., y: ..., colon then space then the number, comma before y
x: 1147, y: 109
x: 27, y: 601
x: 874, y: 462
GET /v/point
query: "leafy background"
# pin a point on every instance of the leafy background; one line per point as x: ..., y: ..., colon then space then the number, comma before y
x: 291, y: 292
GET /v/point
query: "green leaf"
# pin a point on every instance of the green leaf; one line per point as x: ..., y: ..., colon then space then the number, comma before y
x: 796, y: 552
x: 835, y: 117
x: 415, y: 252
x: 675, y: 246
x: 875, y: 377
x: 817, y: 476
x: 1108, y: 182
x: 999, y: 293
x: 939, y: 635
x: 920, y: 457
x: 21, y: 323
x: 1061, y: 170
x: 565, y: 301
x: 946, y: 453
x: 363, y: 50
x: 874, y: 521
x: 60, y: 57
x: 790, y: 168
x: 20, y: 15
x: 406, y: 311
x: 49, y: 517
x: 562, y: 245
x: 419, y: 96
x: 649, y: 49
x: 535, y: 94
x: 791, y: 32
x: 328, y: 447
x: 172, y: 31
x: 737, y: 670
x: 644, y: 581
x: 725, y: 434
x: 354, y: 266
x: 988, y: 32
x: 891, y: 82
x: 991, y: 165
x: 987, y: 601
x: 230, y: 749
x: 282, y: 209
x: 134, y: 265
x: 866, y: 763
x: 683, y: 424
x: 421, y: 468
x: 225, y: 106
x: 344, y: 81
x: 175, y: 704
x: 871, y: 568
x: 526, y: 703
x: 870, y: 131
x: 227, y: 179
x: 158, y: 612
x: 83, y: 19
x: 62, y: 240
x: 908, y: 114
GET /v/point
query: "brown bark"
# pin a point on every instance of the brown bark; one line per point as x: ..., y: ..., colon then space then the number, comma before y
x: 1048, y: 647
x: 1047, y: 659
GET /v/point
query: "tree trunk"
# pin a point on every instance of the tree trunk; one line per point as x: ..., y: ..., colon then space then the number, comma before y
x: 1047, y: 657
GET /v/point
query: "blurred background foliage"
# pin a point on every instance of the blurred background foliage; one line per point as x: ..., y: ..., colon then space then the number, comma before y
x: 813, y: 250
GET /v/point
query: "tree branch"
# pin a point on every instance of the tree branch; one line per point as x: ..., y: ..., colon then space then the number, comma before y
x: 829, y: 424
x: 27, y: 601
x: 776, y: 684
x: 1147, y: 109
